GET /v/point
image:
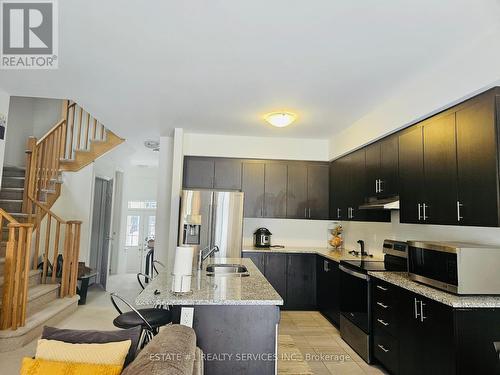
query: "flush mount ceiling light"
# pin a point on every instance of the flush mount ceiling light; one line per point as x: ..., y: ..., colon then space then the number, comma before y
x: 280, y: 119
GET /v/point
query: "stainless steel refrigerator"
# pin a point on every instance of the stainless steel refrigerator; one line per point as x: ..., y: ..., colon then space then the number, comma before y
x: 212, y: 218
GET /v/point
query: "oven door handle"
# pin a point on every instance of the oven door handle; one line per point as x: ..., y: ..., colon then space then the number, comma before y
x: 353, y: 273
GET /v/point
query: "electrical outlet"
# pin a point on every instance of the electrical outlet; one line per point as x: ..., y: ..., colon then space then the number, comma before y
x: 187, y: 314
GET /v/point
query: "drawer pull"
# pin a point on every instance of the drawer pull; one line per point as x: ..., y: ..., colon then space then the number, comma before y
x: 382, y: 305
x: 382, y: 288
x: 382, y: 322
x: 382, y: 347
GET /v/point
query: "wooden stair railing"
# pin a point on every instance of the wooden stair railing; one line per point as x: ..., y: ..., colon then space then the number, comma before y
x: 16, y: 272
x: 72, y: 143
x: 51, y: 249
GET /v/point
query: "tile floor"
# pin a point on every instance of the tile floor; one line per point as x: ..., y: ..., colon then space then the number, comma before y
x: 310, y: 344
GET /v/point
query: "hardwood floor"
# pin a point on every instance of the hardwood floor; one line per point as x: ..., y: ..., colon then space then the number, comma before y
x: 310, y: 344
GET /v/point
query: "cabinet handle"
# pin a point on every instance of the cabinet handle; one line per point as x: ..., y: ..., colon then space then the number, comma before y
x: 416, y: 308
x: 326, y: 267
x: 380, y: 186
x: 376, y: 186
x: 382, y: 288
x: 419, y: 206
x: 352, y: 213
x: 424, y: 207
x: 309, y: 212
x: 381, y: 304
x: 338, y: 213
x: 459, y: 218
x: 422, y: 317
x: 305, y: 212
x: 382, y: 347
x: 382, y: 322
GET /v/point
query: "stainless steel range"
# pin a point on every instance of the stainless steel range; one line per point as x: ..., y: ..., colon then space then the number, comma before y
x: 355, y: 294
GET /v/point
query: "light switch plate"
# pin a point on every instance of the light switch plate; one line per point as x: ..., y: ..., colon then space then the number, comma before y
x: 187, y: 314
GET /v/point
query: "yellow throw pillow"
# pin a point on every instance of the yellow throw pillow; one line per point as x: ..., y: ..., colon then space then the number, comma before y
x: 42, y: 367
x: 111, y: 353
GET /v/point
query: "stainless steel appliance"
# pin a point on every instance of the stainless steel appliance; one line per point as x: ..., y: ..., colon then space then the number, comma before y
x: 262, y: 237
x: 212, y: 218
x: 355, y: 294
x: 461, y: 268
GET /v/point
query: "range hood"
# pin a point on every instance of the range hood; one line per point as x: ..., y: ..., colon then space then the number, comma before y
x: 390, y: 203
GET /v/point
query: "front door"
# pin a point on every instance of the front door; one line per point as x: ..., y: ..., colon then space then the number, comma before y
x: 140, y: 226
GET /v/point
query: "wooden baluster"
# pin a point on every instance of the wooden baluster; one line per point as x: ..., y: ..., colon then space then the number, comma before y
x: 55, y: 154
x: 30, y: 146
x: 102, y: 133
x: 94, y: 129
x: 79, y: 133
x: 48, y: 160
x: 46, y: 253
x: 29, y: 233
x: 17, y: 281
x: 56, y: 251
x: 71, y: 135
x: 87, y: 133
x: 37, y: 237
x: 31, y: 191
x: 38, y: 178
x: 66, y: 260
x: 9, y: 279
x: 62, y: 151
x: 21, y: 260
x: 76, y: 251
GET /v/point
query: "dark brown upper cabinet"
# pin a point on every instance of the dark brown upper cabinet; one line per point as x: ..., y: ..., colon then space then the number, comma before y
x: 382, y: 168
x: 198, y: 173
x: 253, y: 186
x: 427, y: 162
x: 212, y: 173
x: 448, y: 166
x: 477, y: 161
x: 227, y: 174
x: 275, y: 187
x: 296, y: 201
x: 308, y: 191
x: 318, y: 191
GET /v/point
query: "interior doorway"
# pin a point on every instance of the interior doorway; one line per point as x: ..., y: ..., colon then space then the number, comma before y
x: 140, y: 227
x: 101, y: 227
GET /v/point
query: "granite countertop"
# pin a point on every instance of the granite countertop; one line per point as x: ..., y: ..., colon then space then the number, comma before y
x: 402, y: 280
x: 335, y: 255
x: 219, y: 290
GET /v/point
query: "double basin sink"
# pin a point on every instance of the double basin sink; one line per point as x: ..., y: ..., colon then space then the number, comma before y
x: 227, y: 270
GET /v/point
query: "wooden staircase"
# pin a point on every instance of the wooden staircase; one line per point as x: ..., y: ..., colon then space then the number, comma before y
x: 43, y: 305
x: 33, y: 296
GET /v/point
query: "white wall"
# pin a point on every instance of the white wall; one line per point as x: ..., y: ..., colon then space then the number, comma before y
x: 28, y: 117
x: 255, y: 147
x: 374, y: 233
x: 473, y: 68
x: 4, y: 109
x: 163, y: 198
x: 75, y: 203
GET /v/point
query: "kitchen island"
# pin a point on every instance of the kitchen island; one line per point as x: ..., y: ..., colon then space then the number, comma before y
x: 235, y: 317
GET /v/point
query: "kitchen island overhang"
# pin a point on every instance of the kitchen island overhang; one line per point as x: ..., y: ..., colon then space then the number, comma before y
x: 235, y: 318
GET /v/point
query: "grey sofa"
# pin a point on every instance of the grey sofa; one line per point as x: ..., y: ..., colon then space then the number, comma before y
x: 172, y: 351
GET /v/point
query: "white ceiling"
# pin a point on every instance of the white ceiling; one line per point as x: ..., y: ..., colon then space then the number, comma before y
x: 144, y: 68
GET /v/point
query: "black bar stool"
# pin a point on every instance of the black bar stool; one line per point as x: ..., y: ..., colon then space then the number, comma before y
x: 150, y: 319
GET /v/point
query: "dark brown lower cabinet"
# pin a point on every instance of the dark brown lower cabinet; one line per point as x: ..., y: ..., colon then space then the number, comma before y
x: 415, y: 335
x: 293, y: 276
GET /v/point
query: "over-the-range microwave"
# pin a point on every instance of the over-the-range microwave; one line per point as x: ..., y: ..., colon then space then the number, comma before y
x: 460, y: 268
